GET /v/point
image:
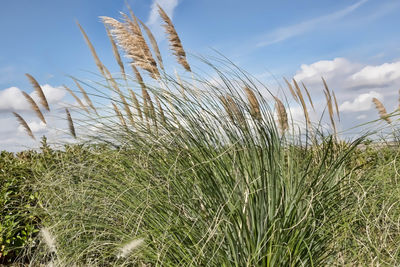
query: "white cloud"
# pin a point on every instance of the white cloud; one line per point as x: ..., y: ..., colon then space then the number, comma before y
x: 355, y: 85
x: 288, y: 32
x: 154, y: 20
x: 11, y: 99
x: 377, y: 75
x: 362, y: 102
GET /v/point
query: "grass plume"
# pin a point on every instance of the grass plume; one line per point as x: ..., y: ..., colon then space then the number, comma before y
x: 382, y: 110
x: 34, y: 107
x: 70, y: 123
x: 25, y: 125
x: 174, y: 41
x: 39, y: 91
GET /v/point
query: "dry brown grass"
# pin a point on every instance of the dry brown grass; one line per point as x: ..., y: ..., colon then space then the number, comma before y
x: 39, y: 91
x: 85, y: 95
x: 154, y: 44
x: 70, y: 123
x: 174, y: 40
x: 382, y: 110
x: 328, y: 98
x: 24, y: 125
x: 302, y: 102
x: 282, y: 115
x: 76, y: 99
x: 119, y: 114
x: 336, y: 105
x: 308, y: 95
x: 135, y: 102
x: 92, y: 50
x: 34, y: 107
x: 291, y: 90
x: 254, y: 105
x: 116, y: 53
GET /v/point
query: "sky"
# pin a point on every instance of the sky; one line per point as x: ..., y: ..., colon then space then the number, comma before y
x: 353, y: 44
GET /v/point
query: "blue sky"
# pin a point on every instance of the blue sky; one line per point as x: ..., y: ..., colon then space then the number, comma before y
x: 353, y: 43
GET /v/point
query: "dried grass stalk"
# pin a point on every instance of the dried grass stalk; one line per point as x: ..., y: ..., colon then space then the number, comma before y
x: 135, y: 102
x: 291, y: 90
x: 308, y: 95
x: 225, y: 104
x: 87, y: 99
x: 39, y: 91
x: 254, y: 105
x: 336, y: 105
x: 382, y: 110
x: 182, y: 88
x: 328, y: 98
x: 160, y: 111
x: 282, y: 115
x: 76, y: 99
x: 174, y: 41
x: 99, y: 65
x: 24, y: 125
x: 70, y: 123
x: 154, y: 44
x: 116, y: 54
x: 34, y: 107
x: 127, y: 110
x: 119, y: 114
x: 302, y: 102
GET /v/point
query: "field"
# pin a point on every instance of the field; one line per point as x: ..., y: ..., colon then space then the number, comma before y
x: 185, y: 171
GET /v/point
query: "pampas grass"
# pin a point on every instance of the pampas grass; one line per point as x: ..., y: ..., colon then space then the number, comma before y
x: 70, y: 123
x: 39, y: 91
x: 174, y: 40
x: 254, y: 104
x: 136, y: 104
x: 302, y: 102
x: 24, y: 125
x: 76, y: 99
x: 85, y: 95
x: 291, y: 90
x: 34, y: 107
x: 308, y: 95
x: 382, y: 110
x: 282, y: 115
x: 92, y: 50
x: 154, y: 44
x: 116, y: 54
x: 49, y: 240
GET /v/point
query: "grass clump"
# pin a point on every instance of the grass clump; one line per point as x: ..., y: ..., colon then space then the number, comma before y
x: 201, y: 173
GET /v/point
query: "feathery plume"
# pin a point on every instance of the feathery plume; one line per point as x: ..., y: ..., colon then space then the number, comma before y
x: 76, y: 99
x: 154, y: 44
x: 282, y: 115
x: 119, y: 114
x: 225, y: 104
x: 39, y: 91
x: 34, y: 106
x: 308, y: 95
x: 302, y: 102
x: 135, y: 102
x: 329, y: 104
x: 48, y: 239
x: 382, y: 110
x: 116, y: 53
x: 128, y: 248
x: 24, y: 125
x: 234, y: 109
x: 87, y: 99
x: 129, y: 37
x: 254, y: 105
x: 336, y: 105
x: 70, y: 123
x: 92, y: 50
x: 174, y: 40
x: 291, y: 90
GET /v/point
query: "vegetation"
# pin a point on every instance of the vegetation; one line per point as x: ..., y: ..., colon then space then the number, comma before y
x: 197, y: 173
